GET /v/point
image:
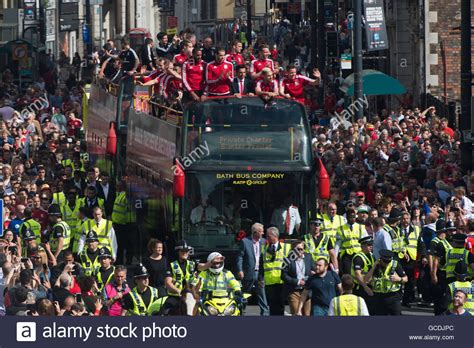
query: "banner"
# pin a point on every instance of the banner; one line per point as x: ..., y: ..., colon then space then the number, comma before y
x: 248, y: 332
x: 375, y: 28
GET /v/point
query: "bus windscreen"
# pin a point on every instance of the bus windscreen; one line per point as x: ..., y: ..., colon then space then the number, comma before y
x: 247, y: 130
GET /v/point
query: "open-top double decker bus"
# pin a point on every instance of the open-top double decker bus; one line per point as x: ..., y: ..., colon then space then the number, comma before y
x: 242, y: 157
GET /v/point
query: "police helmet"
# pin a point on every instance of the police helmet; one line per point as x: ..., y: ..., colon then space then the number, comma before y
x: 182, y: 245
x: 140, y: 271
x: 54, y: 210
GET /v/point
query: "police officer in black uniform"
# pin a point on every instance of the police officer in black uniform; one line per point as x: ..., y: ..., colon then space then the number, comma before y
x: 387, y: 278
x: 140, y: 298
x: 105, y: 273
x: 361, y: 264
x: 438, y: 249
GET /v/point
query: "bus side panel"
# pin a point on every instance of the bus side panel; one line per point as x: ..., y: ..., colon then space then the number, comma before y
x: 102, y: 111
x: 151, y: 146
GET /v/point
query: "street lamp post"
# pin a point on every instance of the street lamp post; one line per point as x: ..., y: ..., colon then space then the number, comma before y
x: 249, y: 22
x: 314, y: 33
x: 357, y: 57
x: 466, y: 85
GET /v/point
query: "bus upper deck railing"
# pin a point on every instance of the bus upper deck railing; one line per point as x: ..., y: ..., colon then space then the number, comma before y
x: 145, y: 102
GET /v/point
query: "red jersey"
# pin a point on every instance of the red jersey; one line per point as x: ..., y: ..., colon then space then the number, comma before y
x: 235, y: 59
x: 42, y: 217
x: 180, y: 59
x: 193, y: 75
x: 295, y: 87
x: 258, y: 65
x: 268, y: 87
x: 152, y: 76
x: 172, y: 86
x: 72, y: 126
x: 217, y: 82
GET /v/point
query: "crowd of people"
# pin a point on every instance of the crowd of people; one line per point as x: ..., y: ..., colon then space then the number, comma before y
x: 399, y: 223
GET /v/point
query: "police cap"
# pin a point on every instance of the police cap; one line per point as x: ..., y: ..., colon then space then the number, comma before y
x: 440, y: 226
x: 182, y: 245
x: 54, y: 210
x: 460, y: 269
x: 317, y: 222
x: 104, y: 252
x: 366, y: 240
x: 29, y: 235
x: 140, y: 271
x: 92, y: 237
x: 450, y: 226
x: 459, y: 238
x: 395, y: 215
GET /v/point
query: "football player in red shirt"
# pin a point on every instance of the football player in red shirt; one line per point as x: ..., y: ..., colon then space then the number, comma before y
x: 185, y: 54
x: 219, y: 76
x: 235, y: 56
x: 267, y: 87
x: 261, y: 63
x: 193, y: 76
x: 292, y: 86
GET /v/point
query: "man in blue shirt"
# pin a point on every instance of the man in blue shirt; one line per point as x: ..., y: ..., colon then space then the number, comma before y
x: 382, y: 239
x: 324, y: 286
x: 15, y: 224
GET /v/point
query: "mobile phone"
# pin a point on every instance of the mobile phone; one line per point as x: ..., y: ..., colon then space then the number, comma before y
x: 78, y: 298
x: 24, y: 259
x: 45, y: 267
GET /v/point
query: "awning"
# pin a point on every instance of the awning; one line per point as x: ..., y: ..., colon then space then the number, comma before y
x: 375, y: 83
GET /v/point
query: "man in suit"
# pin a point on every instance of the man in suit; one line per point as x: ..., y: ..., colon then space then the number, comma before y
x: 248, y: 263
x: 107, y: 192
x: 147, y: 55
x: 242, y: 85
x: 296, y: 270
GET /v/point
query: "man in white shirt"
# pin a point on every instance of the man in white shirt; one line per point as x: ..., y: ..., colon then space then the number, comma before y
x: 204, y: 213
x: 98, y: 224
x: 287, y: 217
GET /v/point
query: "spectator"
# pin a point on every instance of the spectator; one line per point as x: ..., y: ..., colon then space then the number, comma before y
x: 324, y: 285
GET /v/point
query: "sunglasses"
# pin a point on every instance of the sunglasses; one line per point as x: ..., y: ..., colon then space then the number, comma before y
x: 299, y: 249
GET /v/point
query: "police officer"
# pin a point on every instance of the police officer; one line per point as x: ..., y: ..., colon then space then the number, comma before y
x: 270, y: 269
x: 70, y: 214
x: 362, y: 262
x: 457, y: 253
x: 387, y: 277
x: 331, y: 221
x: 60, y: 234
x: 347, y: 241
x: 217, y: 277
x: 122, y: 218
x: 182, y: 271
x: 414, y: 249
x: 319, y: 245
x: 105, y: 273
x: 460, y: 272
x: 139, y: 300
x: 104, y: 230
x: 32, y: 225
x: 89, y: 257
x: 29, y: 242
x: 438, y: 249
x: 392, y: 228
